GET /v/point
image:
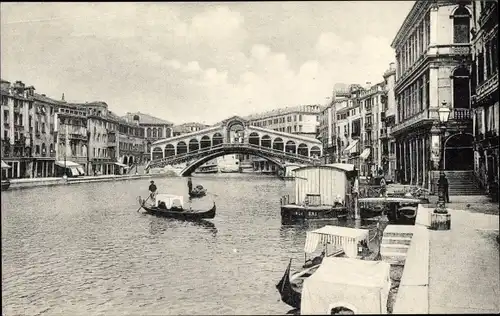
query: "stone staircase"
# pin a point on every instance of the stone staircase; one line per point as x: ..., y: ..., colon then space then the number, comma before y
x: 396, y: 241
x: 462, y: 183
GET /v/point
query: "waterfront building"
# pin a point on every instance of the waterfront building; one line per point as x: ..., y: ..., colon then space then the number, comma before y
x: 154, y: 129
x: 387, y: 116
x: 485, y: 93
x: 72, y: 138
x: 433, y: 68
x: 102, y: 128
x: 131, y: 143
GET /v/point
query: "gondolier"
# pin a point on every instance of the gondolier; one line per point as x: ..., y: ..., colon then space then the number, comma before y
x: 152, y: 191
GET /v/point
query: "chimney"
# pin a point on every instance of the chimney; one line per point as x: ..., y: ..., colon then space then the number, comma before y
x: 62, y: 98
x: 392, y: 66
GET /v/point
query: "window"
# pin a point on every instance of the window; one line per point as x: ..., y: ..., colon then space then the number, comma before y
x: 461, y: 25
x: 461, y: 90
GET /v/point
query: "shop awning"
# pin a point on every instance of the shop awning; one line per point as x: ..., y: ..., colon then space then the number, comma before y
x: 122, y: 165
x: 365, y: 153
x: 80, y: 170
x: 68, y: 164
x: 5, y: 166
x: 351, y: 146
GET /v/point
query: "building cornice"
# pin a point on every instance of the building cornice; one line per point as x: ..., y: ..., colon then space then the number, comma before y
x: 415, y: 13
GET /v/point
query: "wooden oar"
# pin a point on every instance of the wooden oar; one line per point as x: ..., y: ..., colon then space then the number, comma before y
x: 142, y: 204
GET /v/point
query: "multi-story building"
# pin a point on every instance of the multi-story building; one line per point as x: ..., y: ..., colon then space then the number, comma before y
x: 301, y: 120
x: 72, y: 140
x: 485, y: 93
x: 154, y: 129
x: 433, y: 68
x: 131, y: 143
x: 102, y: 128
x: 348, y: 115
x: 188, y: 128
x: 387, y: 117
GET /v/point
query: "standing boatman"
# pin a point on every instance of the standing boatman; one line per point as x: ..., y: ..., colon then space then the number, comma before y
x: 190, y: 185
x: 152, y: 192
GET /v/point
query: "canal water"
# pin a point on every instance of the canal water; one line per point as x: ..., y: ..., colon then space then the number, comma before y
x: 85, y: 250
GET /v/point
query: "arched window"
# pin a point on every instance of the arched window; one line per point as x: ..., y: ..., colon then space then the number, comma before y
x: 149, y: 132
x: 461, y: 90
x: 154, y: 133
x: 160, y: 133
x: 461, y: 25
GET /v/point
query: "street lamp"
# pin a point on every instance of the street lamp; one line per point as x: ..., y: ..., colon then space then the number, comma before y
x: 440, y: 218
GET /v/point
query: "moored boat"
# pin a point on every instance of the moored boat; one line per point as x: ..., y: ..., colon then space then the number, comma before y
x: 399, y: 210
x: 347, y: 242
x: 5, y: 184
x: 172, y: 206
x: 198, y: 192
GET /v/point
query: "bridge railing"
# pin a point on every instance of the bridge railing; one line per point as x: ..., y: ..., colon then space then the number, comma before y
x: 274, y: 152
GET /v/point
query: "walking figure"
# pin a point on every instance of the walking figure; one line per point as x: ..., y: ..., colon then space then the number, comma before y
x: 190, y: 185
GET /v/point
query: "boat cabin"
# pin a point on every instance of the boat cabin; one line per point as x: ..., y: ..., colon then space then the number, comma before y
x: 322, y: 185
x: 169, y: 200
x: 349, y: 285
x: 341, y: 238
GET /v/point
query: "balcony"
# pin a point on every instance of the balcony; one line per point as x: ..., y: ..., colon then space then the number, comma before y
x: 367, y: 143
x: 383, y: 133
x: 452, y: 49
x: 368, y: 126
x: 461, y: 114
x: 77, y: 136
x: 18, y: 127
x: 487, y: 87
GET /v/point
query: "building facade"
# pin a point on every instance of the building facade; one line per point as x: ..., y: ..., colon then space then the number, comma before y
x: 188, y: 128
x: 387, y: 117
x: 131, y: 143
x: 154, y: 129
x: 433, y: 68
x: 485, y: 94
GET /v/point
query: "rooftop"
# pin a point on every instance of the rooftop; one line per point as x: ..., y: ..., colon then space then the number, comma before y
x: 147, y: 119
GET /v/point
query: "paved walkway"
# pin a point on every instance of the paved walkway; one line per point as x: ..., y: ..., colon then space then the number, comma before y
x: 464, y: 272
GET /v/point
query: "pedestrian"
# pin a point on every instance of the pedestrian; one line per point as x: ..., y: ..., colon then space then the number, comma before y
x: 152, y: 191
x: 190, y: 185
x: 446, y: 190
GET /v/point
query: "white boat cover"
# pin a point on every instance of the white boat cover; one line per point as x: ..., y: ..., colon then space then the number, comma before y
x: 122, y: 165
x: 5, y: 166
x: 362, y: 286
x: 170, y: 200
x: 345, y: 237
x: 69, y: 164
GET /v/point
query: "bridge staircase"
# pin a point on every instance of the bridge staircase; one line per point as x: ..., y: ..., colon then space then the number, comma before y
x: 462, y: 183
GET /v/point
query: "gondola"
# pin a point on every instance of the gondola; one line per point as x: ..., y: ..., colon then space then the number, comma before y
x: 171, y: 206
x: 289, y: 295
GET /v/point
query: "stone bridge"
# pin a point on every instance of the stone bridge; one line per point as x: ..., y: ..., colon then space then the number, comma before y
x: 234, y: 136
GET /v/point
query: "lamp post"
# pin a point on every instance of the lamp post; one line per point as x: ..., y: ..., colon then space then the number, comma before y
x: 440, y: 218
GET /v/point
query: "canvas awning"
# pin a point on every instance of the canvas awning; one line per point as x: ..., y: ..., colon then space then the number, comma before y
x: 365, y: 153
x: 68, y: 164
x: 351, y: 146
x: 121, y: 165
x: 5, y: 166
x: 345, y: 237
x: 360, y: 285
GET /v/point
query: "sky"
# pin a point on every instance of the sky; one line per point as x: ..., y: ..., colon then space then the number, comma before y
x: 198, y: 62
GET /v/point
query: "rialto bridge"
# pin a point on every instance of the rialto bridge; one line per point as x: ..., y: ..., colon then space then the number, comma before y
x: 234, y: 136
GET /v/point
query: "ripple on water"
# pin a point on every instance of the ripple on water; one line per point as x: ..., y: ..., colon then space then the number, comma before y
x: 83, y: 249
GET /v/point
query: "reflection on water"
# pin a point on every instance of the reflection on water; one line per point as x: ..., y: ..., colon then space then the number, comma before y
x: 84, y: 249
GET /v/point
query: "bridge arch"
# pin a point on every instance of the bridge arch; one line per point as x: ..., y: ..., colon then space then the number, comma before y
x: 205, y: 142
x: 265, y: 141
x: 227, y: 151
x: 303, y: 150
x: 217, y: 139
x: 278, y: 144
x: 254, y: 139
x: 169, y: 150
x: 315, y: 151
x: 194, y: 145
x: 290, y: 147
x: 157, y: 153
x: 181, y: 148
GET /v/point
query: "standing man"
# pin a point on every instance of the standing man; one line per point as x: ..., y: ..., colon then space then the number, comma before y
x: 152, y: 191
x: 190, y: 185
